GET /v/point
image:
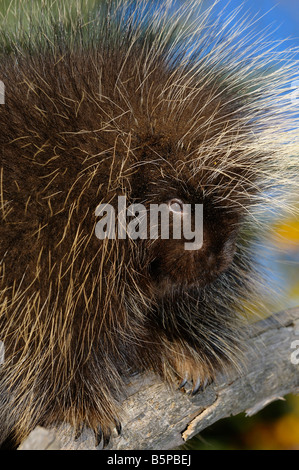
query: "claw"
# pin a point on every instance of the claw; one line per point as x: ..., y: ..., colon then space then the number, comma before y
x: 206, y: 383
x: 103, y: 437
x: 106, y: 439
x: 196, y: 387
x: 98, y: 436
x: 78, y: 431
x: 118, y: 427
x: 183, y: 382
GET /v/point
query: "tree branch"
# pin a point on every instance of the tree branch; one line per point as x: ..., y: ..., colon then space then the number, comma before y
x: 156, y: 417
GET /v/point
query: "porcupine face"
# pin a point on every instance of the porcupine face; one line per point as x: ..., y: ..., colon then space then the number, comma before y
x: 170, y: 264
x: 173, y: 266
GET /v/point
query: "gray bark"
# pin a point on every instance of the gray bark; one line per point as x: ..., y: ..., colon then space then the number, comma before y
x: 157, y: 417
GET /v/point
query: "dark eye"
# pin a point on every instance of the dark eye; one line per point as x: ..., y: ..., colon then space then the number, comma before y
x: 176, y: 206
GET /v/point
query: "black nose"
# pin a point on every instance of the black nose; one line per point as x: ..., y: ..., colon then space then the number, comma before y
x: 215, y: 257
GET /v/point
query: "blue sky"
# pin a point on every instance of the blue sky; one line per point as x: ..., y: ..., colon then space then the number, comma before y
x: 282, y: 15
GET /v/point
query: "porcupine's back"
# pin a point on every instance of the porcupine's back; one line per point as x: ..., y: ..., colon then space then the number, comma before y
x: 95, y: 110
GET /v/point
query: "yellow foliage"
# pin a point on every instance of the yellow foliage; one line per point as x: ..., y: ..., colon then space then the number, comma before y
x: 287, y: 233
x: 282, y: 434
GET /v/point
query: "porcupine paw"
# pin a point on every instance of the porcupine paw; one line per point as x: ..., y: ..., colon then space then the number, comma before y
x: 197, y: 383
x: 102, y: 435
x: 193, y: 378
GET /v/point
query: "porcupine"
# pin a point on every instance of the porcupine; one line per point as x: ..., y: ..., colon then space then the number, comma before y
x: 152, y: 104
